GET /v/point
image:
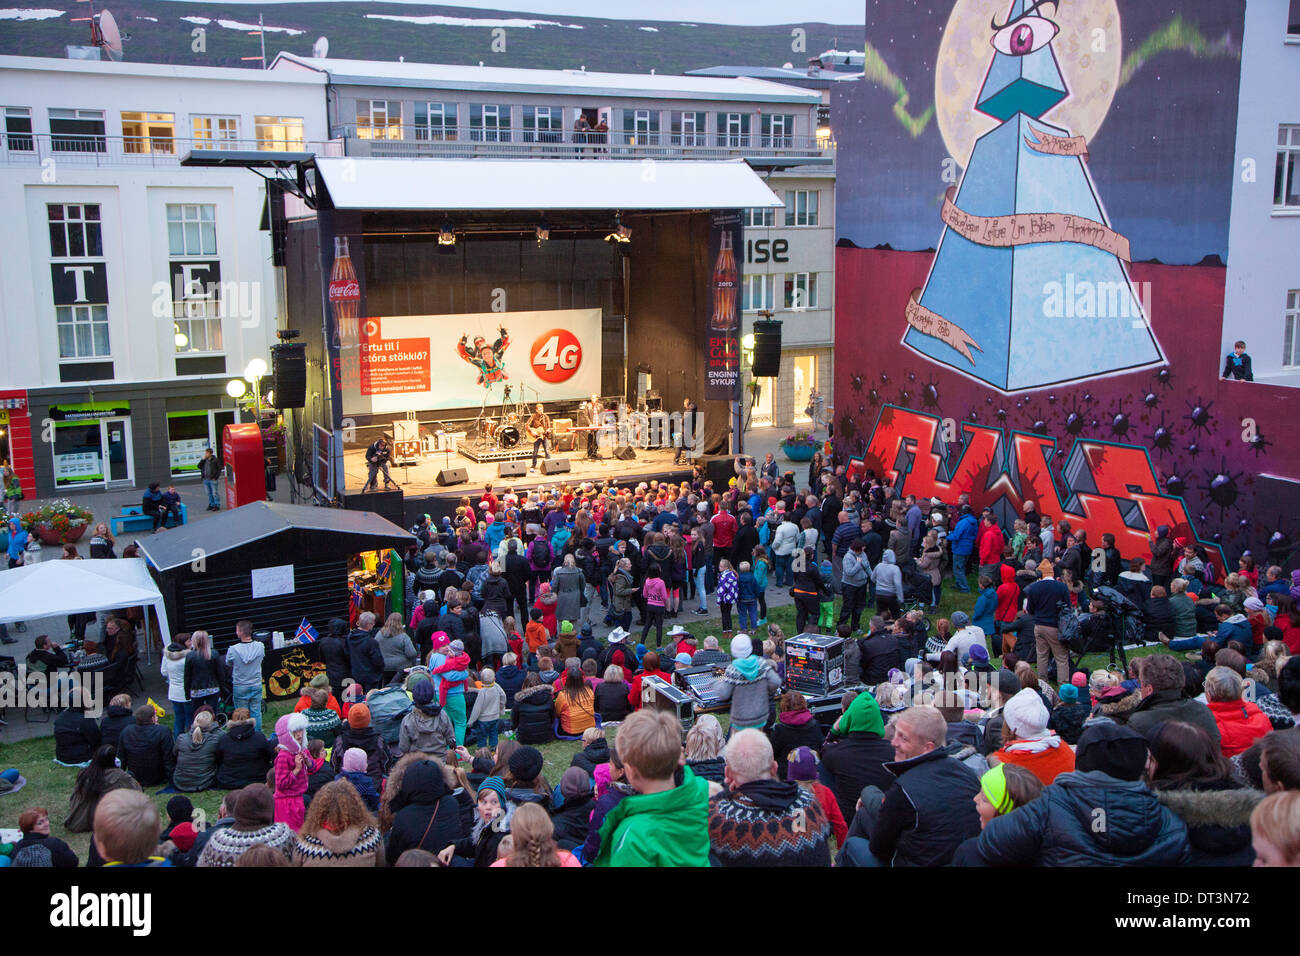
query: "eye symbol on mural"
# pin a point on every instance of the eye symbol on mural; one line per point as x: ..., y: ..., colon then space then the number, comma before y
x: 1024, y: 36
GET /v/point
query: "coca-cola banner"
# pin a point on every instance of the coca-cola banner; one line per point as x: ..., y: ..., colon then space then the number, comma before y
x: 722, y: 343
x: 412, y: 362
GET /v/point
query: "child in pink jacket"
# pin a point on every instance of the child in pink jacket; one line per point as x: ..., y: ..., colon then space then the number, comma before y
x: 291, y: 770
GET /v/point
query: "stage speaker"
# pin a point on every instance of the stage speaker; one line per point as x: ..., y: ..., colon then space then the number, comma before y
x: 624, y: 452
x: 553, y: 466
x: 289, y: 375
x: 512, y: 469
x: 767, y: 348
x: 387, y: 504
x: 452, y: 476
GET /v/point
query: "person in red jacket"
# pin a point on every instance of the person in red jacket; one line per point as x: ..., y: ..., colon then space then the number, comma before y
x: 724, y: 533
x: 1240, y: 722
x: 802, y: 769
x: 1004, y: 615
x: 650, y: 668
x: 990, y: 544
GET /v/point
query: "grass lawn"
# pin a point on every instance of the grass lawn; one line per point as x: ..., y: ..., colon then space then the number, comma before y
x: 49, y: 784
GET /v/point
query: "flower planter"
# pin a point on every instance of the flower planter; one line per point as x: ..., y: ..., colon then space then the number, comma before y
x: 798, y: 452
x: 48, y: 535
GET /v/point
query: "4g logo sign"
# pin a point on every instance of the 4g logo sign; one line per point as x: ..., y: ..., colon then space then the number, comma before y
x: 555, y: 356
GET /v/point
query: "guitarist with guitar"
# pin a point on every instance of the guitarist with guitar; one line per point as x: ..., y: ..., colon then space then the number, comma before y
x: 539, y: 430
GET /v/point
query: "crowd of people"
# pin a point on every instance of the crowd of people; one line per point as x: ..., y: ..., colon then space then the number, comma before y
x: 974, y: 739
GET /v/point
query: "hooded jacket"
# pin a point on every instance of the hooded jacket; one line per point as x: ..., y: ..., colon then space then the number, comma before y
x: 76, y: 737
x: 396, y: 650
x: 1240, y: 724
x: 855, y: 755
x: 428, y: 730
x: 196, y: 764
x: 591, y: 756
x: 888, y: 578
x: 115, y: 720
x: 749, y: 683
x: 658, y: 829
x: 928, y: 810
x: 571, y: 820
x: 1217, y: 816
x: 1008, y: 596
x: 880, y: 654
x: 510, y: 677
x: 425, y: 816
x: 794, y: 729
x: 365, y: 659
x: 245, y: 660
x: 355, y: 846
x: 334, y: 652
x: 172, y: 667
x: 148, y: 752
x: 1059, y: 828
x: 243, y: 756
x: 793, y: 826
x: 962, y: 538
x: 533, y: 715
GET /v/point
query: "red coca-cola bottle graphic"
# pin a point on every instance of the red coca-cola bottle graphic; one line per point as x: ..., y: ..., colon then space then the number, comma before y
x: 345, y: 294
x: 725, y: 283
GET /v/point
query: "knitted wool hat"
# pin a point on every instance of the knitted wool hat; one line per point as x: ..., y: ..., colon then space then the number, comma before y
x: 566, y: 627
x: 1079, y: 679
x: 358, y: 716
x: 526, y: 764
x: 1026, y: 715
x: 575, y: 783
x: 422, y: 694
x: 1113, y: 749
x: 741, y: 646
x: 496, y: 785
x: 183, y: 835
x: 979, y: 653
x: 320, y: 680
x: 803, y: 765
x: 354, y: 760
x: 180, y: 809
x: 960, y: 619
x: 440, y: 640
x: 1069, y: 693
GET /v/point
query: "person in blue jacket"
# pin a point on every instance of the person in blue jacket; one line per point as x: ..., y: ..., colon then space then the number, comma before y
x: 985, y: 605
x: 962, y: 541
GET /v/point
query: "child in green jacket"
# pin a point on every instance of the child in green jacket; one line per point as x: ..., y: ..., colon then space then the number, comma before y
x: 661, y: 824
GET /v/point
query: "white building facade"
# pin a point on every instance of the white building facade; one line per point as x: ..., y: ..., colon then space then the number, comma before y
x: 135, y: 289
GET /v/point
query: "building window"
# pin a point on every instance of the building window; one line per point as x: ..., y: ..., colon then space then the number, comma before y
x: 489, y: 122
x: 148, y: 132
x: 641, y: 127
x: 688, y: 128
x: 1291, y: 335
x: 758, y: 218
x: 801, y: 207
x: 800, y: 291
x: 759, y: 292
x: 279, y: 133
x: 733, y: 130
x: 1293, y: 20
x: 778, y: 130
x: 543, y: 124
x: 1286, y: 179
x: 215, y: 132
x: 83, y: 331
x: 435, y: 121
x: 18, y: 128
x: 77, y: 131
x: 379, y: 119
x: 74, y: 231
x: 191, y: 229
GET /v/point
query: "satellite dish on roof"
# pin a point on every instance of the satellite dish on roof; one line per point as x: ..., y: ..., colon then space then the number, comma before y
x: 321, y: 48
x: 104, y: 33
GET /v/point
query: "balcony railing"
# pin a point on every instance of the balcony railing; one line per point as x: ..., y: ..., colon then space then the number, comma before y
x: 91, y: 150
x: 467, y: 142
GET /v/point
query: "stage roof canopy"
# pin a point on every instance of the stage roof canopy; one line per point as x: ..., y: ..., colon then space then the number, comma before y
x: 480, y: 184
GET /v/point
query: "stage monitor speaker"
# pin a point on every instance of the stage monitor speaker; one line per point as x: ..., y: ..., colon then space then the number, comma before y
x: 553, y: 466
x: 452, y: 476
x: 512, y: 469
x: 767, y: 348
x: 387, y: 504
x: 624, y: 452
x: 289, y: 375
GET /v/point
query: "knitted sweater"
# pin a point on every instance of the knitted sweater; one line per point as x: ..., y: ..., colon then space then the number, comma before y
x: 227, y: 845
x: 353, y: 847
x: 769, y: 823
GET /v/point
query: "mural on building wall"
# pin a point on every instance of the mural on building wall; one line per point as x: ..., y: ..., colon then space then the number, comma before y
x: 1033, y: 219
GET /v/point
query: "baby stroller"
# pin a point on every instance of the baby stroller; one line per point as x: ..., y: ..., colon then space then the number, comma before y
x: 916, y: 586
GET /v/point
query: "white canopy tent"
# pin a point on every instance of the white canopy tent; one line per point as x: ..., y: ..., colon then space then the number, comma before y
x: 54, y: 588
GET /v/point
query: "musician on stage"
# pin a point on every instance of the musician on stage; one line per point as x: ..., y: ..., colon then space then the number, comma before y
x: 538, y: 427
x: 594, y: 417
x: 685, y: 440
x: 377, y: 456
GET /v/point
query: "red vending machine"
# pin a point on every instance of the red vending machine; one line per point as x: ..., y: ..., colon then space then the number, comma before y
x: 245, y: 464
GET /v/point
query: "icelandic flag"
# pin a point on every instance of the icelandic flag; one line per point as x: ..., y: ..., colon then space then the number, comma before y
x: 306, y: 633
x: 385, y: 566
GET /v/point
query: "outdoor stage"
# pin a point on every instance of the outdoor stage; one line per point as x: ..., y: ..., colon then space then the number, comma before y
x: 422, y: 493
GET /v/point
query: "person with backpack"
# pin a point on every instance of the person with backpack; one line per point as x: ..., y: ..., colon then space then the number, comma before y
x: 37, y: 848
x: 426, y: 728
x: 539, y: 564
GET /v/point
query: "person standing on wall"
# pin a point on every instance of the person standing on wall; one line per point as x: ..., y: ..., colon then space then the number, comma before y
x: 210, y: 470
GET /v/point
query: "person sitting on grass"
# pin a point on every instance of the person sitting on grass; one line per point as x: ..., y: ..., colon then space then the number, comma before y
x: 662, y: 823
x: 1003, y: 788
x: 1275, y: 829
x: 127, y: 827
x: 1027, y: 742
x: 37, y: 847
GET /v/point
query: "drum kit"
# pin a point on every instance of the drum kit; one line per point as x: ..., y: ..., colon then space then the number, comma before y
x: 507, y: 431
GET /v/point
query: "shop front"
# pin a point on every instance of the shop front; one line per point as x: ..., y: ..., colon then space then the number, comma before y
x: 91, y: 444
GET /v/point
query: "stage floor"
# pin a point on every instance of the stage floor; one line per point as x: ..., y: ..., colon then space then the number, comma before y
x: 419, y: 480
